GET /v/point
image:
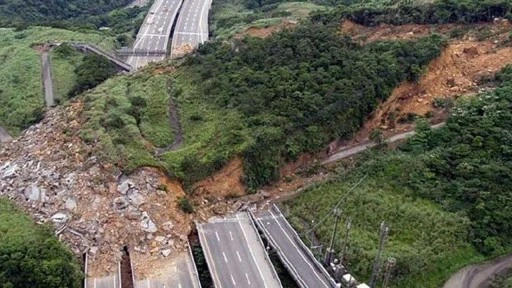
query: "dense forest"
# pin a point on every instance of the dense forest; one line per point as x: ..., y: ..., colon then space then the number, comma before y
x: 438, y: 12
x: 300, y: 89
x: 31, y: 256
x: 16, y: 11
x: 444, y: 190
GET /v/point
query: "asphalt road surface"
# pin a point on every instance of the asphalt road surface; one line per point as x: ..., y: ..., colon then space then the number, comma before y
x: 155, y: 31
x: 182, y: 276
x: 345, y: 152
x: 111, y: 281
x: 282, y: 238
x: 49, y: 97
x: 4, y: 136
x: 478, y: 276
x: 191, y: 27
x: 235, y: 255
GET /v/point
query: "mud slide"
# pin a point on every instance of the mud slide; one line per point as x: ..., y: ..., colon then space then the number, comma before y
x: 479, y: 276
x: 174, y: 123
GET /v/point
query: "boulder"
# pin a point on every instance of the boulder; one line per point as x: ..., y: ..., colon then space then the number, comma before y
x: 166, y: 252
x: 70, y: 204
x: 146, y: 224
x: 59, y: 218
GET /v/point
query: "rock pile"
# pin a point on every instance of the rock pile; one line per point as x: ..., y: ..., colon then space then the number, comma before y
x: 94, y: 208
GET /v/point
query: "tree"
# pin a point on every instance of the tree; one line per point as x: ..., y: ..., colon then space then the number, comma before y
x: 30, y: 256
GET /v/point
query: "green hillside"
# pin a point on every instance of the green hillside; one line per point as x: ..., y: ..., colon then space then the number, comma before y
x: 31, y: 256
x: 445, y: 195
x: 19, y: 11
x: 316, y: 86
x: 21, y: 90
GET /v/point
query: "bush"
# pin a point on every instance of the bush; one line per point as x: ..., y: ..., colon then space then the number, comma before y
x: 185, y: 205
x: 30, y: 256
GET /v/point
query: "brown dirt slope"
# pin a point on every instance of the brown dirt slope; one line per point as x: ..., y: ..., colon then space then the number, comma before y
x: 456, y: 72
x: 263, y: 32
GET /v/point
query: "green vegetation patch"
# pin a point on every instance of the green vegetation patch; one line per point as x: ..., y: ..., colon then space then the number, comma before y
x: 230, y: 17
x: 445, y: 195
x: 21, y: 89
x: 129, y: 116
x: 18, y: 11
x: 267, y: 100
x: 30, y: 255
x: 437, y: 12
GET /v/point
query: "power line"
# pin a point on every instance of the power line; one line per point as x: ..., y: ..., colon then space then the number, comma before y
x: 336, y: 205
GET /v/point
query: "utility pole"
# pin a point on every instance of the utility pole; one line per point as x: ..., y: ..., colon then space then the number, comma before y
x: 384, y: 230
x: 345, y: 241
x: 389, y: 266
x: 328, y: 256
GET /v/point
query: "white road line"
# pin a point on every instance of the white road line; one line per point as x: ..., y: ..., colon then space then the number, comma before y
x: 231, y: 235
x: 247, y: 277
x: 225, y: 258
x: 209, y: 255
x: 188, y: 33
x: 271, y: 239
x: 201, y: 20
x: 149, y: 284
x: 252, y: 253
x: 233, y: 280
x: 297, y: 248
x: 239, y: 258
x: 217, y: 235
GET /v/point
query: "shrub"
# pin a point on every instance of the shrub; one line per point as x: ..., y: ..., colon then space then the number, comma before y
x: 185, y: 205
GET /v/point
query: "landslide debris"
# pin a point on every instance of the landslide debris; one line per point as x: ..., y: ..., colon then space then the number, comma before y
x: 475, y: 53
x: 51, y: 173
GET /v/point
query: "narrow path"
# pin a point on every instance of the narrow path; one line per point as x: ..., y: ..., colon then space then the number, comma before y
x: 49, y: 97
x: 478, y: 276
x: 4, y: 135
x: 174, y: 123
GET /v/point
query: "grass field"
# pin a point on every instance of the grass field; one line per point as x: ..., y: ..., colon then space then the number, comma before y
x: 64, y: 76
x: 232, y: 17
x: 21, y: 91
x: 133, y: 144
x: 428, y: 243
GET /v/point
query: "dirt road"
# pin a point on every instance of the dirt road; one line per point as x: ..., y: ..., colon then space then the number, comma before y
x: 478, y: 276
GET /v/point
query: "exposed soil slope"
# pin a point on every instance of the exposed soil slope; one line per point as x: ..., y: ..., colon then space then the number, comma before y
x: 458, y: 71
x: 263, y: 32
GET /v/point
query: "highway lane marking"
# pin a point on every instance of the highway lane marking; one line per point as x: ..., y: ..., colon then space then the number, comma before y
x: 252, y: 253
x: 209, y: 255
x: 233, y: 279
x: 188, y: 33
x: 231, y: 235
x: 217, y: 235
x: 201, y: 20
x: 247, y: 277
x: 225, y: 258
x: 239, y: 258
x: 271, y: 239
x: 94, y: 283
x: 149, y: 284
x: 297, y: 248
x: 191, y: 267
